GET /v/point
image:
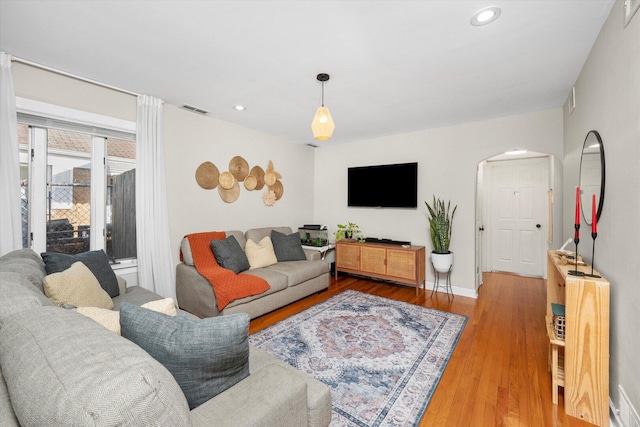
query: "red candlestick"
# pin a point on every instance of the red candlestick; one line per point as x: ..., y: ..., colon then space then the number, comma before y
x: 577, y: 205
x: 594, y: 217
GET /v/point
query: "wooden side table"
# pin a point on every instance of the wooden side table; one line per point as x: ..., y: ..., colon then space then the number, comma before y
x: 556, y: 362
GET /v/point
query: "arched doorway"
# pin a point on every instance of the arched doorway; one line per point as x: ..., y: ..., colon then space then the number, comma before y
x: 518, y: 213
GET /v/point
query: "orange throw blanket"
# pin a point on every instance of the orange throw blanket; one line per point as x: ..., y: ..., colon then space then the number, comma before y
x: 227, y: 285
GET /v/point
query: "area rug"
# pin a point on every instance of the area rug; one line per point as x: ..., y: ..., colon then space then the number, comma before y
x: 381, y: 358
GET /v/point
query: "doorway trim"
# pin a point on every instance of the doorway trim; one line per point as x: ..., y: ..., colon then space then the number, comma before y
x: 554, y: 187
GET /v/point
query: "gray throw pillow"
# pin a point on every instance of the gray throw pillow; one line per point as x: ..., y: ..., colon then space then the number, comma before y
x: 287, y: 248
x: 96, y: 261
x: 205, y: 356
x: 230, y: 255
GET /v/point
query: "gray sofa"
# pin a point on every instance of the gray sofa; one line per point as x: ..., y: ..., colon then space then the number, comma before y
x: 289, y: 281
x: 58, y: 367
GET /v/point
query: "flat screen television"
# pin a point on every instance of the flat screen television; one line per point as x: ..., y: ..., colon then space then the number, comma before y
x: 383, y: 186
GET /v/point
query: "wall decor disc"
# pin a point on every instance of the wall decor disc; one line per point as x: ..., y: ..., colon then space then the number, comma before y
x: 258, y: 172
x: 270, y: 178
x: 230, y: 195
x: 278, y: 189
x: 239, y: 168
x: 226, y: 180
x: 250, y: 182
x: 207, y: 175
x: 271, y: 175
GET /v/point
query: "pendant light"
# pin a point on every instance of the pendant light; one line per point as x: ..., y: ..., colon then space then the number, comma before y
x: 322, y: 125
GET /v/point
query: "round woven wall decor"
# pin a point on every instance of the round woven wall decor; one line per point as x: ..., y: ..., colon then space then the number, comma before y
x: 278, y: 189
x: 258, y: 172
x: 250, y: 182
x: 239, y: 168
x: 227, y: 180
x: 207, y: 176
x: 230, y: 195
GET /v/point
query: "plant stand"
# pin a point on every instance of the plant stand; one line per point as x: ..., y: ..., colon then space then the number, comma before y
x: 447, y: 285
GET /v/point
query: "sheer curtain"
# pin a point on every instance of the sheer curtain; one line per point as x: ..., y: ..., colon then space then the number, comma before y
x: 10, y: 223
x: 155, y: 266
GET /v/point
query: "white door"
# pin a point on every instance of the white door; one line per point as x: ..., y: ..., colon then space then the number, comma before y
x: 518, y: 215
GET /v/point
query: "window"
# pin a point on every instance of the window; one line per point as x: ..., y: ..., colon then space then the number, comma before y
x: 78, y: 182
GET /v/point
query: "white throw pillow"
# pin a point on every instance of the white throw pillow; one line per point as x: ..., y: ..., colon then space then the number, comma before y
x: 260, y: 254
x: 111, y: 319
x: 76, y: 286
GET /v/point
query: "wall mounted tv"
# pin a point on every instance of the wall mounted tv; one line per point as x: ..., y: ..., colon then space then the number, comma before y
x: 383, y: 186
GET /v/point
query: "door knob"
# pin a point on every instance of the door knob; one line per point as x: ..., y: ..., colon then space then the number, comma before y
x: 538, y: 225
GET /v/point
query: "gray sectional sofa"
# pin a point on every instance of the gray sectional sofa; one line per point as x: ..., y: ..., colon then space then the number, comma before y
x: 58, y: 368
x: 289, y: 281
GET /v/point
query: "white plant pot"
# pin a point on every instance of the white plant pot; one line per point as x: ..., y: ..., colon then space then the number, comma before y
x: 442, y: 262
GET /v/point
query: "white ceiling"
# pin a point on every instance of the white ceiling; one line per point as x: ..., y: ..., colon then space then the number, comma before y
x: 395, y: 66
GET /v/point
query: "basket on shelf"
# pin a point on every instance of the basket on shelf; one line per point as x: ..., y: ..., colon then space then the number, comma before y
x: 559, y: 327
x: 558, y: 320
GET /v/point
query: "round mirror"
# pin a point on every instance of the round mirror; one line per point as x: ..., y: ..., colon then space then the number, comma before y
x: 592, y: 173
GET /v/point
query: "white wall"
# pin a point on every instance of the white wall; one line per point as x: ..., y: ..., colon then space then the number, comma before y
x: 191, y: 139
x: 447, y: 163
x: 39, y: 85
x: 608, y: 100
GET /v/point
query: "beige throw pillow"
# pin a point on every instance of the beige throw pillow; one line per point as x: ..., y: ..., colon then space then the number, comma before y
x: 260, y: 254
x: 76, y: 286
x: 111, y: 319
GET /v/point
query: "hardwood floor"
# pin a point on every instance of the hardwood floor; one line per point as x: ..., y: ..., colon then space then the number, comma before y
x: 497, y: 375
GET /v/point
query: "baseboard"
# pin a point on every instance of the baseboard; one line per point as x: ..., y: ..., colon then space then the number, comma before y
x: 463, y: 292
x: 457, y: 290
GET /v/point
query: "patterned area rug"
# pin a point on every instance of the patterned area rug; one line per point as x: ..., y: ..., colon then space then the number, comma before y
x: 381, y: 358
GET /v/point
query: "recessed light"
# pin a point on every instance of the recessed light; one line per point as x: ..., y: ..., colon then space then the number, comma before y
x: 515, y: 152
x: 239, y: 107
x: 485, y: 16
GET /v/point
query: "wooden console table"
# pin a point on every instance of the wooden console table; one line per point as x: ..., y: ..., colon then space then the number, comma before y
x: 383, y: 261
x: 585, y: 374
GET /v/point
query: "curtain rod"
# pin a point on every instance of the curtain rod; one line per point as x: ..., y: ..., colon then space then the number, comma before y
x: 73, y: 76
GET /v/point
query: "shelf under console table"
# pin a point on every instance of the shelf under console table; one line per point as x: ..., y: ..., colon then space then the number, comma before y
x: 585, y: 374
x: 382, y: 261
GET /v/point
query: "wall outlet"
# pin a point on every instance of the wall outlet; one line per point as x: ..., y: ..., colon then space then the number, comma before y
x: 628, y: 414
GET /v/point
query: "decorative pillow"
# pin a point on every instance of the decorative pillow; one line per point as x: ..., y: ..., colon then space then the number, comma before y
x: 110, y: 319
x: 97, y: 261
x: 230, y: 255
x: 76, y: 286
x: 205, y: 356
x: 260, y: 254
x: 287, y: 248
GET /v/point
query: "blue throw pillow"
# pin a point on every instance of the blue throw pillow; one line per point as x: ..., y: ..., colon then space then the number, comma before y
x: 287, y: 248
x: 205, y: 356
x: 230, y: 255
x: 96, y: 261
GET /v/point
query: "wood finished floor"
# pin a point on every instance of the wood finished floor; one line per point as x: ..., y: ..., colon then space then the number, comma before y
x: 497, y: 375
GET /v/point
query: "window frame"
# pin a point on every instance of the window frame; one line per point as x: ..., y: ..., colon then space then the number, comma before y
x: 40, y: 116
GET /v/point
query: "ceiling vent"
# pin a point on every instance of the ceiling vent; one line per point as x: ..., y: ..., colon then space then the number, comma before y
x: 194, y: 109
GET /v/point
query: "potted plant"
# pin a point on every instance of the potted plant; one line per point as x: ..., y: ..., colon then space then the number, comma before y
x: 440, y: 226
x: 349, y: 231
